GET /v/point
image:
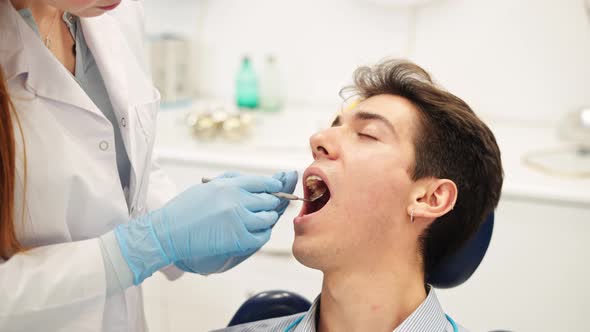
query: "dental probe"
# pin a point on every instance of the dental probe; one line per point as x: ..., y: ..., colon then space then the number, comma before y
x: 278, y: 194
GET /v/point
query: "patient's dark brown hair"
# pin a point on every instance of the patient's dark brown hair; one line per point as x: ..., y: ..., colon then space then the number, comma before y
x: 450, y: 142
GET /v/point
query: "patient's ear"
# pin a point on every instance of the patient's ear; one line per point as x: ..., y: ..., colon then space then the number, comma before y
x: 433, y: 198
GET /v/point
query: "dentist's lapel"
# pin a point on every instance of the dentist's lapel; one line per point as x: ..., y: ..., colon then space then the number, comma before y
x: 130, y: 90
x: 108, y: 48
x: 47, y: 77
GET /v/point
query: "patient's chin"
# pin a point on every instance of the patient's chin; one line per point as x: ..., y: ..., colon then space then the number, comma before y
x: 310, y: 261
x: 311, y: 256
x: 304, y: 254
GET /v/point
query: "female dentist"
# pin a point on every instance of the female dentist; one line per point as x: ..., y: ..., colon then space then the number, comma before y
x: 85, y: 215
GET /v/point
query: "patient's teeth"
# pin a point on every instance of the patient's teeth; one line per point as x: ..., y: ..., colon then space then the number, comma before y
x: 313, y: 178
x: 316, y: 186
x: 313, y: 181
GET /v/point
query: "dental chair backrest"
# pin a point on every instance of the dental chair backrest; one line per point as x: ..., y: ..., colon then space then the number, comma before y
x: 270, y: 304
x: 456, y: 269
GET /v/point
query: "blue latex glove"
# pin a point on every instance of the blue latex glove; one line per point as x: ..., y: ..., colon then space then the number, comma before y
x: 228, y: 216
x: 289, y: 181
x: 222, y: 263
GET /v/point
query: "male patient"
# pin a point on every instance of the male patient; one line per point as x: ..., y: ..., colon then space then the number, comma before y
x: 410, y: 174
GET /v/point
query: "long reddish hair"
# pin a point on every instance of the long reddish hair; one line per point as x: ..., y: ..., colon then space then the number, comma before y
x: 9, y: 244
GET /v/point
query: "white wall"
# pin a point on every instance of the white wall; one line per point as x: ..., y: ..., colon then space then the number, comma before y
x: 181, y: 17
x: 318, y: 43
x: 521, y: 59
x: 527, y: 59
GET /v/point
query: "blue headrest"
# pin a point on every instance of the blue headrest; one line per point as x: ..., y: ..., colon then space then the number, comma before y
x: 456, y: 269
x: 270, y: 304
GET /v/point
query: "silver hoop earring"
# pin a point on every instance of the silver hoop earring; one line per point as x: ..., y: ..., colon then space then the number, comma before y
x: 412, y: 216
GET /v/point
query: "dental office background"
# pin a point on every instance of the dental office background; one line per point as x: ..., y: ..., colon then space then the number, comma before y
x: 523, y: 65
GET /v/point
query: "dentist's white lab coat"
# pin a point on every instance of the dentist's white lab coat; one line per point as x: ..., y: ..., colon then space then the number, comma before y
x: 73, y: 191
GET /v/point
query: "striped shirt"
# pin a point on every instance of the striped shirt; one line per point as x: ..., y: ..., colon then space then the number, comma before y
x: 428, y: 317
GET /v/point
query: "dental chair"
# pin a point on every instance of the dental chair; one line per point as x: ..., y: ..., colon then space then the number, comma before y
x: 270, y: 304
x: 453, y: 271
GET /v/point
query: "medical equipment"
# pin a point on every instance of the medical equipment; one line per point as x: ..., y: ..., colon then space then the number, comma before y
x: 455, y: 327
x: 572, y: 158
x: 171, y: 61
x: 216, y: 121
x: 291, y: 197
x: 247, y: 87
x: 270, y: 304
x: 271, y: 94
x: 457, y: 268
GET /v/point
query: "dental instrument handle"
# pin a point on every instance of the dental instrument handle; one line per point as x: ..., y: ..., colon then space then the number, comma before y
x: 287, y: 196
x: 278, y: 194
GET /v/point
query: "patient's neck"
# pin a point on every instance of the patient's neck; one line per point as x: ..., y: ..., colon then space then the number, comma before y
x: 375, y: 299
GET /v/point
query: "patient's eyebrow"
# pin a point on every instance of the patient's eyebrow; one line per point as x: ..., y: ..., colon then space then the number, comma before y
x: 337, y: 122
x: 364, y: 115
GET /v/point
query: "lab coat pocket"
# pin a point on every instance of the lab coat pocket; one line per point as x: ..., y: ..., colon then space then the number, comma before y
x: 146, y: 115
x: 145, y: 135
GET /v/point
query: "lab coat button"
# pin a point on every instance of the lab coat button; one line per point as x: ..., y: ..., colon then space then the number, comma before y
x: 104, y: 145
x: 123, y: 122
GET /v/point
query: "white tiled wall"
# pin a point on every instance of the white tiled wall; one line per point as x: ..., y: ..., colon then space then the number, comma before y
x: 526, y: 59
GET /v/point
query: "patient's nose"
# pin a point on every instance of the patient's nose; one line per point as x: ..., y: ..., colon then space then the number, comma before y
x: 323, y: 145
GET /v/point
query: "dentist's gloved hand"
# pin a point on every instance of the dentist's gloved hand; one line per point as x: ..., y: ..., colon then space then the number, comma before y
x: 222, y: 263
x: 228, y: 216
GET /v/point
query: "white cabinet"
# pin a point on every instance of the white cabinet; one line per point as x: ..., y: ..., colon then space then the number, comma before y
x: 534, y: 275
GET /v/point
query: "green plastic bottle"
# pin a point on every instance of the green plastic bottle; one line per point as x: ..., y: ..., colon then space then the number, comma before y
x: 247, y: 95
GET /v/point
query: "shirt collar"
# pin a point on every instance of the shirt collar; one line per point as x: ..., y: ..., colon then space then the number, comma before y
x: 69, y: 19
x: 429, y: 316
x: 308, y: 323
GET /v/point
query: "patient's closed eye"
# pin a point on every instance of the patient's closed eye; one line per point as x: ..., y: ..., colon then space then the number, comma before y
x: 366, y: 136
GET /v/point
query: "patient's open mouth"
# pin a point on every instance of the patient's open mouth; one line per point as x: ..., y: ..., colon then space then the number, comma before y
x: 315, y: 187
